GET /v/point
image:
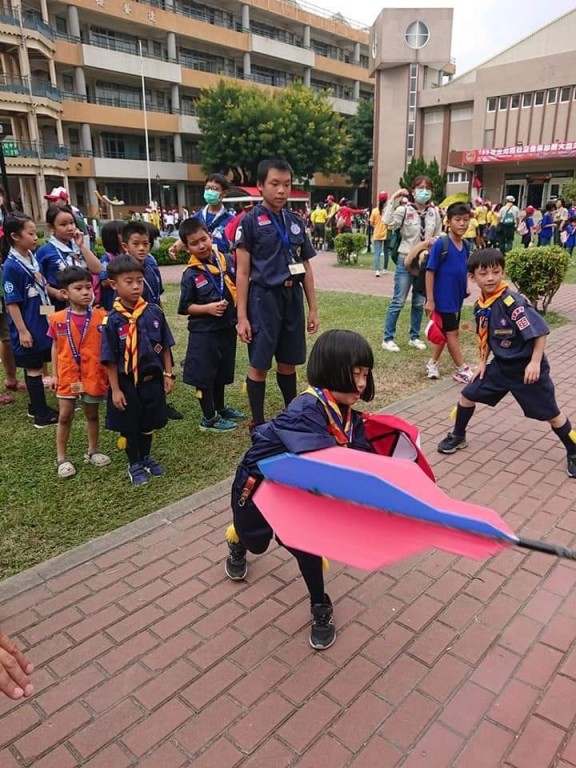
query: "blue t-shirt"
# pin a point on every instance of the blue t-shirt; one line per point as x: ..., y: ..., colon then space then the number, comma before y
x: 216, y: 223
x: 153, y: 288
x: 546, y: 231
x: 26, y: 287
x: 54, y: 256
x: 450, y: 275
x: 571, y: 239
x: 270, y: 255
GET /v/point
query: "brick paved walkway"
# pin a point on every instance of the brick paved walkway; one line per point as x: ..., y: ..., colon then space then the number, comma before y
x: 147, y: 656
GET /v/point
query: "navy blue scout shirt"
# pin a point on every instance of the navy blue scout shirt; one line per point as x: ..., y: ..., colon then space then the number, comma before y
x: 153, y: 288
x: 196, y: 287
x: 513, y: 326
x: 450, y: 275
x: 154, y: 336
x: 216, y: 223
x: 269, y: 256
x: 21, y: 287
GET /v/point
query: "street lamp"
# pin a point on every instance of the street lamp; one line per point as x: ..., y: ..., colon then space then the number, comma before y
x: 369, y: 228
x: 159, y: 183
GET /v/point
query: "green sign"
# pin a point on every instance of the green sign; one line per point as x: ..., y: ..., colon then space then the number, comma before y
x: 10, y: 148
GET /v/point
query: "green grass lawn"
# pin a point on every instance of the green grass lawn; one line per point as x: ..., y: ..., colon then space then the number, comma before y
x: 42, y: 516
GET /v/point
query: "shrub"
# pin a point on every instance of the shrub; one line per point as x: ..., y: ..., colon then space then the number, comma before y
x: 538, y: 272
x: 348, y: 247
x: 160, y: 251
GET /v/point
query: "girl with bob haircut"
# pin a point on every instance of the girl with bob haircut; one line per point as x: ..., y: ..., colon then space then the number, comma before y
x: 340, y: 374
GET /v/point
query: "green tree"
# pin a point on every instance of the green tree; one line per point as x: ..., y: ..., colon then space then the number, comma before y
x: 419, y: 167
x: 569, y: 191
x: 359, y: 144
x: 242, y: 124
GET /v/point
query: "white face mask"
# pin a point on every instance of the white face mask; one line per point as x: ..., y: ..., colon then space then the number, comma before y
x: 422, y: 195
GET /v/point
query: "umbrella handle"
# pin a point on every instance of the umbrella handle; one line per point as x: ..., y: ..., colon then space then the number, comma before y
x: 548, y: 549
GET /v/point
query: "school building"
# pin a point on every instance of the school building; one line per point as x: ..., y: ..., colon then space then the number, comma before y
x: 75, y: 76
x: 506, y: 127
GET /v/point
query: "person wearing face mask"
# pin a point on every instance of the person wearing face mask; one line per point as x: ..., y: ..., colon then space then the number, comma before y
x: 418, y: 220
x: 213, y: 214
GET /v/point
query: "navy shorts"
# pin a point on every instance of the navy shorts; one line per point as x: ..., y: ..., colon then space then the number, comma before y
x: 210, y: 357
x: 251, y: 526
x: 450, y: 321
x: 33, y: 360
x: 538, y: 400
x: 146, y: 405
x: 278, y: 325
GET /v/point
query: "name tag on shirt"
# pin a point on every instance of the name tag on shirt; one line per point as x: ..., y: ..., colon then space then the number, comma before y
x: 296, y: 269
x: 46, y: 309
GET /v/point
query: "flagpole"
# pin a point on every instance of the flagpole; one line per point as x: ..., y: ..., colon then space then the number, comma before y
x: 145, y: 123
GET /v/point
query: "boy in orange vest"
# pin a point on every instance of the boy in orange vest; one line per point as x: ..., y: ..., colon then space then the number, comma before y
x: 78, y: 374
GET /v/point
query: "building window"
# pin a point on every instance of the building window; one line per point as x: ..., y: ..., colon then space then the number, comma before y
x: 461, y: 113
x: 552, y: 95
x: 68, y: 83
x: 538, y: 98
x: 417, y: 34
x: 491, y: 104
x: 503, y: 103
x: 515, y: 101
x: 527, y: 99
x: 434, y: 116
x: 61, y: 25
x: 411, y: 132
x: 565, y: 94
x: 457, y: 177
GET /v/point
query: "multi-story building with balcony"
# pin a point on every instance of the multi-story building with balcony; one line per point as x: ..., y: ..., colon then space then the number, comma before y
x: 83, y: 81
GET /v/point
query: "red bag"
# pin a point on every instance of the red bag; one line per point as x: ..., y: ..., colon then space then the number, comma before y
x: 392, y: 436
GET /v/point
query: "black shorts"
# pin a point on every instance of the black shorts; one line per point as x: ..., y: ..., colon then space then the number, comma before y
x: 278, y: 325
x: 146, y: 405
x: 210, y: 356
x: 33, y: 360
x: 319, y: 230
x: 251, y: 526
x: 538, y: 400
x: 481, y: 229
x: 450, y: 321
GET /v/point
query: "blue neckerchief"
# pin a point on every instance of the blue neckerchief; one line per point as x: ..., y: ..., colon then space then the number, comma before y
x: 33, y: 270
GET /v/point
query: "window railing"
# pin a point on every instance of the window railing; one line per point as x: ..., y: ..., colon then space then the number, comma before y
x: 125, y: 46
x: 185, y: 109
x: 34, y: 150
x: 33, y: 22
x: 33, y: 86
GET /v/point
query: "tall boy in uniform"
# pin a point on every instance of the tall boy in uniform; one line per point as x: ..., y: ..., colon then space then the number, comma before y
x: 273, y: 274
x: 208, y: 299
x: 511, y: 329
x: 136, y: 349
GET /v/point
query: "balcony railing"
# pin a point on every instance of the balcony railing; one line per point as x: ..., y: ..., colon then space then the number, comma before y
x: 34, y: 150
x: 125, y: 46
x: 33, y: 22
x: 31, y: 86
x: 127, y: 103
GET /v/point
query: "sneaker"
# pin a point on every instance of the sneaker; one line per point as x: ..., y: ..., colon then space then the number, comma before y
x: 29, y: 411
x: 137, y: 474
x: 217, y: 424
x: 153, y: 467
x: 452, y: 443
x: 236, y: 566
x: 231, y: 414
x: 322, y: 632
x: 384, y: 272
x: 377, y: 273
x: 464, y: 374
x: 432, y: 371
x: 173, y: 414
x: 48, y: 419
x: 417, y: 344
x: 390, y: 346
x: 571, y: 467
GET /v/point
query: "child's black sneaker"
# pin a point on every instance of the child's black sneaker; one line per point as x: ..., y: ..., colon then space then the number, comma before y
x: 235, y: 566
x: 137, y: 474
x: 172, y: 413
x: 153, y: 467
x: 571, y: 467
x: 48, y: 419
x: 452, y: 443
x: 29, y: 411
x: 322, y: 632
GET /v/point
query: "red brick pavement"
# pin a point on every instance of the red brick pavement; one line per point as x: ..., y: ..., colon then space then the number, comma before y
x: 148, y: 656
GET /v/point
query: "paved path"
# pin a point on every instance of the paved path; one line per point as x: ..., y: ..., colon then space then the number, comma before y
x: 148, y: 656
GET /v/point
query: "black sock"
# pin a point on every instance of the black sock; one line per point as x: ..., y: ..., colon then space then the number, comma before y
x: 463, y: 416
x: 35, y: 387
x: 218, y: 396
x: 287, y: 384
x: 132, y: 449
x: 144, y: 445
x: 568, y: 441
x: 311, y: 570
x: 256, y: 393
x: 207, y: 403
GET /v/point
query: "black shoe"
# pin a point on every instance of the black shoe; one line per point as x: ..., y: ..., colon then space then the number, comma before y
x: 29, y: 411
x: 452, y: 443
x: 173, y: 414
x: 48, y: 419
x: 236, y: 566
x: 571, y: 467
x: 322, y: 632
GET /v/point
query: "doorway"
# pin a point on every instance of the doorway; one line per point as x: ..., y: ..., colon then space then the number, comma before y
x: 518, y: 190
x: 535, y: 194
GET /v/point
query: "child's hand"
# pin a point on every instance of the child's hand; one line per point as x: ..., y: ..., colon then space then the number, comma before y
x: 119, y: 399
x: 26, y: 339
x: 79, y: 237
x: 218, y: 308
x: 532, y: 372
x: 14, y: 670
x: 480, y: 371
x: 244, y: 331
x: 313, y: 322
x: 429, y: 307
x: 168, y: 385
x: 53, y: 383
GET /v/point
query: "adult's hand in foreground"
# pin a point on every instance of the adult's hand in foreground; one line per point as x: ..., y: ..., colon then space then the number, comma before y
x: 14, y: 670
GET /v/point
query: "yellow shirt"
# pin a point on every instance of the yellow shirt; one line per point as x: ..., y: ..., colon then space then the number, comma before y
x: 319, y: 216
x: 481, y: 213
x: 472, y: 230
x: 333, y: 210
x: 492, y: 218
x: 380, y: 229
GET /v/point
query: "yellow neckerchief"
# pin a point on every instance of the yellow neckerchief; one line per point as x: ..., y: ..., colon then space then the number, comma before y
x: 131, y: 348
x: 340, y: 430
x: 193, y: 261
x: 483, y: 318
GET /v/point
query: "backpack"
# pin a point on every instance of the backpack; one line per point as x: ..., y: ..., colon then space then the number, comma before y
x: 508, y: 217
x: 421, y: 278
x: 394, y: 239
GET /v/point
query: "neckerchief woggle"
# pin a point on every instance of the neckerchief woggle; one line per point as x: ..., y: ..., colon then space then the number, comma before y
x: 483, y: 318
x: 217, y: 266
x: 32, y: 269
x: 76, y: 350
x: 340, y: 429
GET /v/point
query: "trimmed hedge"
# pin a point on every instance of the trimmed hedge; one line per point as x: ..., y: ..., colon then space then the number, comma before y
x: 538, y: 272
